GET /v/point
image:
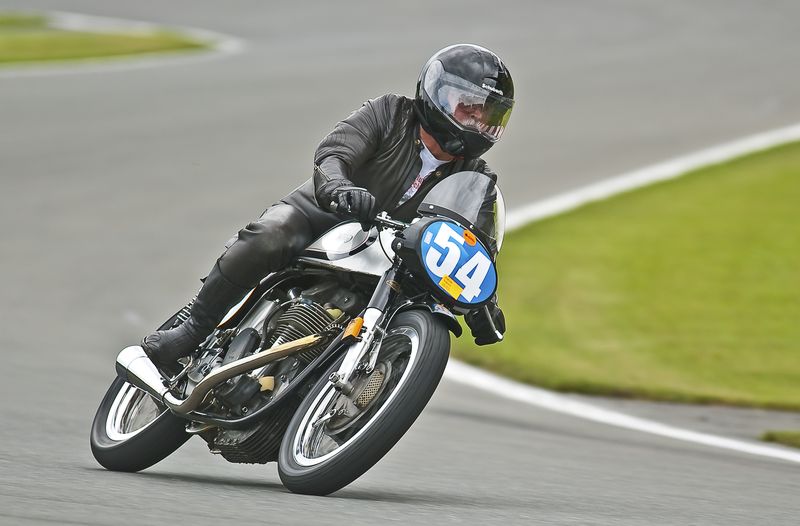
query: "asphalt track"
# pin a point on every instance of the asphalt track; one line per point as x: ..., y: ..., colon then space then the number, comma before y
x: 119, y: 189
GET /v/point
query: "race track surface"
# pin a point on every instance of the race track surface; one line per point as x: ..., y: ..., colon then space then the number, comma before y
x: 119, y: 190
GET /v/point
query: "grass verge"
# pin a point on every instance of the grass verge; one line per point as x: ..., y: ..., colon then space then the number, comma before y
x: 687, y: 290
x: 27, y: 38
x: 21, y: 21
x: 787, y: 438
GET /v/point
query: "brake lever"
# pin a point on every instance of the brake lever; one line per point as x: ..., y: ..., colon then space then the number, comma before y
x: 488, y: 315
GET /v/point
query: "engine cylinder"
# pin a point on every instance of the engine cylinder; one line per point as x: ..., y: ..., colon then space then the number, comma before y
x: 300, y: 320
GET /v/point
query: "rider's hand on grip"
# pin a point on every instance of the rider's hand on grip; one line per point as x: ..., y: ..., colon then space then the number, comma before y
x: 487, y: 323
x: 354, y: 201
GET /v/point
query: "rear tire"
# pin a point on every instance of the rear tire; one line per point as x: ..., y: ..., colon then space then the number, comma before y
x: 130, y: 432
x: 320, y: 460
x: 122, y: 443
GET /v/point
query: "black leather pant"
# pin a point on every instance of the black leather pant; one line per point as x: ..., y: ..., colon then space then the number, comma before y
x: 281, y: 233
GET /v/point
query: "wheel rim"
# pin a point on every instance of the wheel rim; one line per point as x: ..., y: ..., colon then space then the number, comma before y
x: 131, y: 413
x: 314, y: 445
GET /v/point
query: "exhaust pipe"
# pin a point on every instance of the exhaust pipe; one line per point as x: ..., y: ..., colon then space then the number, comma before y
x: 134, y: 366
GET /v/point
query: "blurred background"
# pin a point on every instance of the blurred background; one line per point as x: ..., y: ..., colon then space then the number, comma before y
x: 120, y: 186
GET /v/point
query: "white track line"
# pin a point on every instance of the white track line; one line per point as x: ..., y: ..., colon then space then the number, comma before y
x: 474, y: 377
x: 460, y: 372
x: 220, y: 46
x: 651, y: 174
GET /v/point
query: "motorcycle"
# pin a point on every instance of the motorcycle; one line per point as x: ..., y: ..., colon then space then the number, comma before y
x: 327, y: 363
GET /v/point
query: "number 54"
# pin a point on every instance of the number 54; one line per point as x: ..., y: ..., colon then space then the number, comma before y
x: 471, y: 274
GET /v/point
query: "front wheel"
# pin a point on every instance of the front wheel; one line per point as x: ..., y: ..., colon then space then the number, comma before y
x: 131, y: 432
x: 334, y: 439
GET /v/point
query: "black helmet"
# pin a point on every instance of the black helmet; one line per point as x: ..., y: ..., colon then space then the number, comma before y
x: 464, y: 99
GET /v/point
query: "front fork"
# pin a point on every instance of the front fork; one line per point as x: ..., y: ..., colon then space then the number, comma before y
x: 365, y: 329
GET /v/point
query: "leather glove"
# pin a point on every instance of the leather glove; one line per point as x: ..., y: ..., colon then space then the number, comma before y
x: 487, y: 323
x: 354, y: 201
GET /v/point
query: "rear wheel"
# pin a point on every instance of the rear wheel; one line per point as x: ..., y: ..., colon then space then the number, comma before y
x: 333, y: 439
x: 131, y: 431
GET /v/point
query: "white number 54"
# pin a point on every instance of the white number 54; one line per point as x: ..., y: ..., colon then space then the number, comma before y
x: 471, y: 274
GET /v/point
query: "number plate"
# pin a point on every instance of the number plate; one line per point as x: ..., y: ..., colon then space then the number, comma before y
x: 458, y: 263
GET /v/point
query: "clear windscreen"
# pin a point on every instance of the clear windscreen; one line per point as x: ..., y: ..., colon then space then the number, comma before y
x: 472, y: 198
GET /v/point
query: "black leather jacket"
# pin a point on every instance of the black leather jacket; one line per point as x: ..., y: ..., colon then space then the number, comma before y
x: 377, y: 147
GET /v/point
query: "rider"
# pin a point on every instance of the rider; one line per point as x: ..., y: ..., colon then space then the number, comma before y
x: 385, y: 156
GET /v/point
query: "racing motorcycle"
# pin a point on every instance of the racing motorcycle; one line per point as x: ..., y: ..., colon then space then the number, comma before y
x: 327, y: 363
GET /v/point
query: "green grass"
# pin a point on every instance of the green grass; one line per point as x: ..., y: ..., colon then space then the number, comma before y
x: 26, y: 38
x: 21, y: 21
x: 687, y: 291
x: 787, y: 438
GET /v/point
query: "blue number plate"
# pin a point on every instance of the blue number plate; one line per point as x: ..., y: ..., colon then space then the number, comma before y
x: 458, y: 263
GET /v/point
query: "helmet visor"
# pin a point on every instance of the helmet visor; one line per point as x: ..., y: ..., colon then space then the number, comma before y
x: 482, y: 109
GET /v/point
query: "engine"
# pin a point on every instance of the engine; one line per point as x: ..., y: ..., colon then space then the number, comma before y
x: 259, y: 444
x: 256, y: 445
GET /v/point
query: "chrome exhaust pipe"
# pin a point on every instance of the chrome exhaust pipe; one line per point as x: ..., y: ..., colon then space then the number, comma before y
x: 134, y: 366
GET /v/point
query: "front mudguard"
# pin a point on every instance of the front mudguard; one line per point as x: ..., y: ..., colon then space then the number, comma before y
x: 441, y: 312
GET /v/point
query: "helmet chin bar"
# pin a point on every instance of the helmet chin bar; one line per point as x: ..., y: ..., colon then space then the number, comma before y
x: 454, y: 146
x: 475, y: 143
x: 463, y: 144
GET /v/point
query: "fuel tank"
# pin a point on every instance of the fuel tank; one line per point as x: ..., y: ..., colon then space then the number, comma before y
x: 348, y: 247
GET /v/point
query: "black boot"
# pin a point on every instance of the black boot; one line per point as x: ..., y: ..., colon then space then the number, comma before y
x: 214, y: 300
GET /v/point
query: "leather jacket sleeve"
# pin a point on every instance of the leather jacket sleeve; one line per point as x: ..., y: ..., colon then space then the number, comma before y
x: 352, y: 142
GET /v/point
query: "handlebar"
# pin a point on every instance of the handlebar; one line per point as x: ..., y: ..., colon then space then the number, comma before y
x: 383, y: 220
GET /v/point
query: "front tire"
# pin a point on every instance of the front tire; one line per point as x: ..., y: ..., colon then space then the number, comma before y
x: 320, y: 459
x: 130, y: 432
